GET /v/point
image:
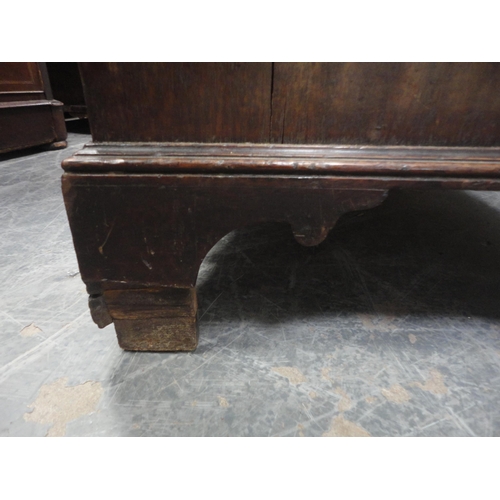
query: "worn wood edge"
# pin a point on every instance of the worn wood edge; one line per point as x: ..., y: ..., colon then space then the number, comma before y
x: 158, y: 334
x: 99, y: 311
x: 285, y: 159
x: 262, y: 149
x: 30, y: 104
x: 151, y: 302
x: 347, y: 182
x: 52, y: 146
x: 155, y: 319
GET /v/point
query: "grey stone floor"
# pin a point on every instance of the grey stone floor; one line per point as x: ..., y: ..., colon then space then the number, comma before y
x: 391, y: 327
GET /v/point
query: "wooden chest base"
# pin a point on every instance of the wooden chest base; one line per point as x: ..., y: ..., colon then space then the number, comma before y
x: 143, y: 217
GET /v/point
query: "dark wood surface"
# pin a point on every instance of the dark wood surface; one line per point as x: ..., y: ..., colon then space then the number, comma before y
x: 29, y: 116
x: 422, y: 104
x: 185, y: 153
x: 67, y: 87
x: 21, y: 78
x: 209, y: 102
x: 155, y: 230
x: 439, y: 104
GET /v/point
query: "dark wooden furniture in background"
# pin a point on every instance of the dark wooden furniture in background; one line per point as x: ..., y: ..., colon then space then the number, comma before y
x: 183, y: 153
x: 29, y: 116
x: 67, y: 87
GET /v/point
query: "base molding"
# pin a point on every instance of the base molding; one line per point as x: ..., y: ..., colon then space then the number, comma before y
x: 286, y: 159
x: 32, y: 123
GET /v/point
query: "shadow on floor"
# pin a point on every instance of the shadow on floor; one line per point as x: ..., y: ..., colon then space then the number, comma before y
x: 21, y: 153
x: 420, y: 253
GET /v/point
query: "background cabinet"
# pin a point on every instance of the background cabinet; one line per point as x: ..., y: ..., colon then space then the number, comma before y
x: 29, y: 116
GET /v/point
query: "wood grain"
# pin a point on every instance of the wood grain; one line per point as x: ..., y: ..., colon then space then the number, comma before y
x: 200, y: 102
x: 440, y: 104
x: 152, y: 230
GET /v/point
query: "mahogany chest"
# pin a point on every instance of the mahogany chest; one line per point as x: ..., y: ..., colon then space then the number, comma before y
x: 184, y: 153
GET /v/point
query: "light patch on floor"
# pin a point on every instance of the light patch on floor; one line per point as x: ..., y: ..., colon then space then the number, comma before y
x: 374, y: 323
x: 294, y: 375
x: 345, y: 428
x: 325, y: 374
x: 345, y: 403
x: 58, y: 404
x: 412, y: 338
x: 30, y: 330
x: 396, y: 394
x: 223, y: 402
x: 434, y: 384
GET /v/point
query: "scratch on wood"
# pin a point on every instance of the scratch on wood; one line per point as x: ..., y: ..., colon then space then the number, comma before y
x: 101, y: 248
x: 147, y: 264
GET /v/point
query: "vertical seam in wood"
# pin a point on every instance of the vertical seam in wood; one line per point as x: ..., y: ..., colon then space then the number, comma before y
x: 283, y: 123
x: 271, y: 104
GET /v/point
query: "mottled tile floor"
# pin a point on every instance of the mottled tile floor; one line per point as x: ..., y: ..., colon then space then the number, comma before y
x: 391, y: 327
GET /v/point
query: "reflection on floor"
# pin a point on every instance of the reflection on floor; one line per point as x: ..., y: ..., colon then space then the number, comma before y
x: 391, y: 327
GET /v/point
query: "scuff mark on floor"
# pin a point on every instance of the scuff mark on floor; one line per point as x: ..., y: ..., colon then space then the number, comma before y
x: 396, y: 394
x: 30, y: 330
x: 434, y: 384
x: 59, y: 404
x: 412, y: 338
x: 294, y: 375
x: 223, y: 402
x: 341, y: 427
